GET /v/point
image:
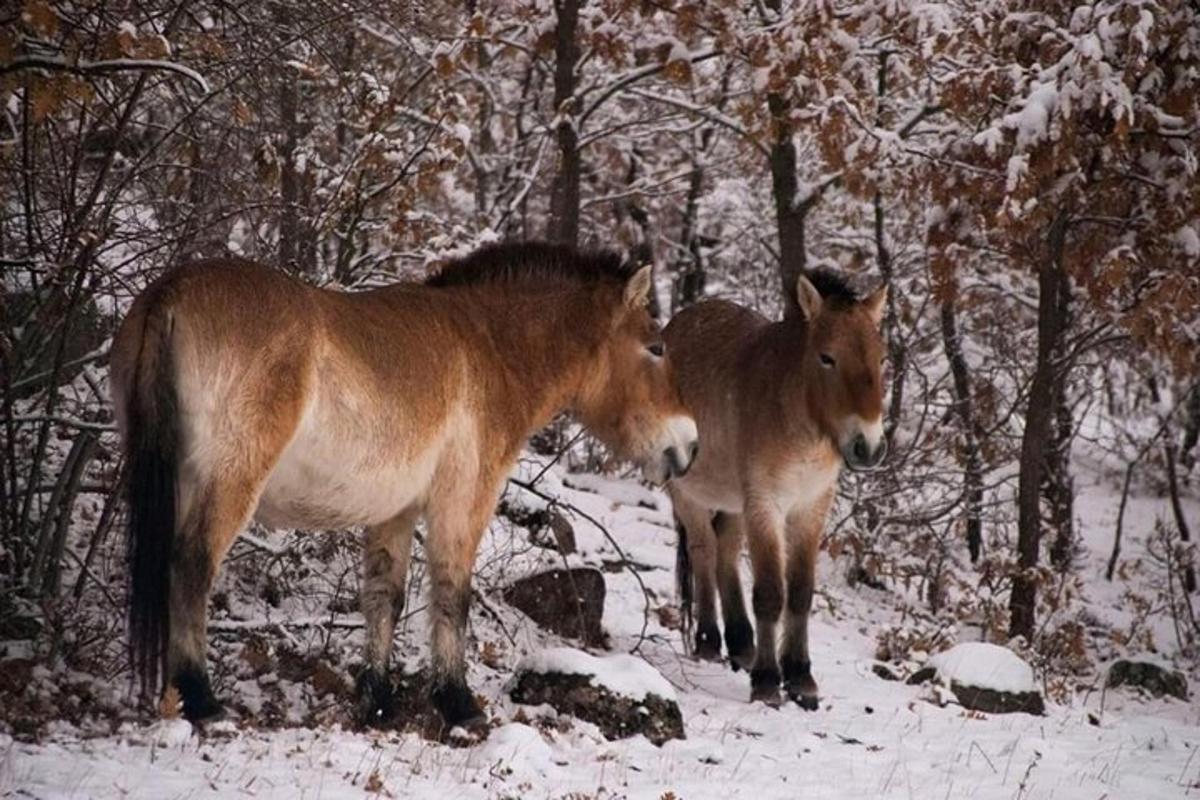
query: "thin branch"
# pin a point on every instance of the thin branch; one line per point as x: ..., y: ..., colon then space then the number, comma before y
x: 59, y: 64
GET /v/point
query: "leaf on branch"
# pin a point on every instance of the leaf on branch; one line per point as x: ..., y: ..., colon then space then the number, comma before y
x: 40, y: 18
x: 45, y: 98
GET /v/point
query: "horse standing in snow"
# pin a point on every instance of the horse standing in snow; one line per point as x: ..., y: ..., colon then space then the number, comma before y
x: 779, y: 406
x: 242, y: 393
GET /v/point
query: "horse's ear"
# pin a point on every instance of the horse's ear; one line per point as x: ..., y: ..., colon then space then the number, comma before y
x: 637, y: 291
x: 808, y: 298
x: 875, y: 303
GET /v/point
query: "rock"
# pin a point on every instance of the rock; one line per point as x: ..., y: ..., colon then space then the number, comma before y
x: 621, y: 695
x: 1155, y: 679
x: 923, y: 675
x: 989, y: 678
x: 884, y: 671
x: 569, y: 602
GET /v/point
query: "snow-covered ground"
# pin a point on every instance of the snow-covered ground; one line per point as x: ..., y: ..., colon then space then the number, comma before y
x: 870, y: 738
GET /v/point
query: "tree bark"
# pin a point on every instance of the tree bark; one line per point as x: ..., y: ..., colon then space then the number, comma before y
x: 563, y: 225
x: 789, y: 213
x: 1039, y: 418
x: 1060, y: 486
x: 1185, y: 534
x: 1191, y: 427
x: 289, y: 183
x: 965, y: 410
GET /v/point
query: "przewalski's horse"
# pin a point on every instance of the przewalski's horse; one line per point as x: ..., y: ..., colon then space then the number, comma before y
x: 779, y: 405
x: 243, y: 393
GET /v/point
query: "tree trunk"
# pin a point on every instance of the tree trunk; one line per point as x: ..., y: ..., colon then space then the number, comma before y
x: 1039, y: 418
x: 642, y: 252
x: 689, y: 274
x: 563, y: 225
x: 1185, y: 534
x: 964, y: 408
x: 289, y: 183
x: 789, y: 214
x: 1191, y: 427
x: 1060, y: 486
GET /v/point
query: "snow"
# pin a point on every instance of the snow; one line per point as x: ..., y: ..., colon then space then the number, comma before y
x: 870, y: 737
x: 1033, y: 121
x: 981, y: 665
x: 625, y: 675
x: 1187, y: 240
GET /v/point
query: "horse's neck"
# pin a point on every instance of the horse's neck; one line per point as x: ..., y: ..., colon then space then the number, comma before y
x: 544, y: 343
x: 776, y: 378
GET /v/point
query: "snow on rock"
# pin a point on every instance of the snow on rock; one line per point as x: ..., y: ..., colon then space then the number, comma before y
x: 622, y: 674
x: 621, y: 695
x: 989, y: 678
x: 1155, y: 678
x: 984, y: 666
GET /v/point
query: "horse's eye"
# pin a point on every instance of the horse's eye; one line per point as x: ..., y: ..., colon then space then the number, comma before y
x: 656, y: 349
x: 827, y: 361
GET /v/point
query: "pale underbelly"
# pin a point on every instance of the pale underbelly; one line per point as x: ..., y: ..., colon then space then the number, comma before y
x: 320, y: 484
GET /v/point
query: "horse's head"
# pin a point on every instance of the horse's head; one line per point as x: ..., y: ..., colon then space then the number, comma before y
x: 630, y: 400
x: 841, y: 367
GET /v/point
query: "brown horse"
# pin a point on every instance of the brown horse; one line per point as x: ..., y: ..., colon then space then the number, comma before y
x: 243, y: 393
x: 779, y: 406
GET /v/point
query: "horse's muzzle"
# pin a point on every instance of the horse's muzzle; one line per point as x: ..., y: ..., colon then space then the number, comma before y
x: 860, y: 457
x: 678, y: 462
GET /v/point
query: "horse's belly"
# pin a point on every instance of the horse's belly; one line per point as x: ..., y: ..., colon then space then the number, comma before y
x: 712, y: 491
x: 337, y: 484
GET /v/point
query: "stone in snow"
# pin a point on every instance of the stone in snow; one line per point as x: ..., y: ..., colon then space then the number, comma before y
x: 988, y: 677
x: 621, y: 695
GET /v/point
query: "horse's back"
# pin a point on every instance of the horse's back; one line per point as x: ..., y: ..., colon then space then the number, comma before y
x: 706, y: 342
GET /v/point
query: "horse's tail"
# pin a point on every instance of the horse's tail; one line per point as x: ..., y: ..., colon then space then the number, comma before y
x: 152, y: 459
x: 683, y: 582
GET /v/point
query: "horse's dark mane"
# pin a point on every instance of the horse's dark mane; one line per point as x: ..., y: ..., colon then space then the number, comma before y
x: 529, y: 262
x: 834, y: 287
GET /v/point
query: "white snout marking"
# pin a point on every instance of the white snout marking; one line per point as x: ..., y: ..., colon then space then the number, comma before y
x: 681, y: 433
x: 854, y: 425
x: 872, y: 432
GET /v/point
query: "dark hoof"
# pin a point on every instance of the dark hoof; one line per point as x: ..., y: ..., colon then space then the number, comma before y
x: 376, y: 702
x: 196, y: 694
x: 801, y: 688
x: 739, y: 643
x: 764, y: 687
x: 708, y: 643
x: 809, y: 702
x: 458, y: 706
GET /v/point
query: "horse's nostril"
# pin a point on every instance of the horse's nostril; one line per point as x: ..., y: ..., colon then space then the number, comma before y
x: 861, y: 450
x: 693, y: 451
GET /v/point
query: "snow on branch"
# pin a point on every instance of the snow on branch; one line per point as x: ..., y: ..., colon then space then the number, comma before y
x: 634, y: 75
x: 59, y: 64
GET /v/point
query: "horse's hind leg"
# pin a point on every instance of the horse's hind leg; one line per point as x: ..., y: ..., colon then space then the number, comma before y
x: 215, y: 515
x: 385, y: 570
x: 739, y: 634
x: 804, y: 541
x: 702, y: 553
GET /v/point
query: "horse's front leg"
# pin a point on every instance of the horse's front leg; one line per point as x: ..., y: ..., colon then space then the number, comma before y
x: 456, y: 524
x: 765, y: 528
x: 385, y: 570
x: 804, y: 527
